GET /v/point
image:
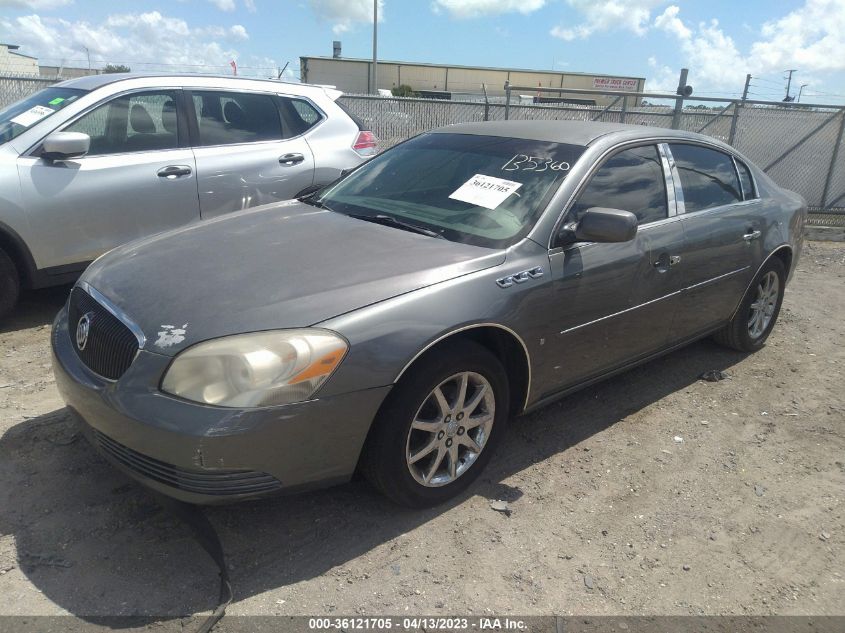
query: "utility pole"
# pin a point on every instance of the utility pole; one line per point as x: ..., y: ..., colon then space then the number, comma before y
x: 88, y: 53
x: 800, y: 90
x: 789, y: 82
x: 375, y: 47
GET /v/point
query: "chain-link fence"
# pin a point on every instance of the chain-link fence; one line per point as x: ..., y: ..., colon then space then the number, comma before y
x: 14, y: 88
x: 800, y: 146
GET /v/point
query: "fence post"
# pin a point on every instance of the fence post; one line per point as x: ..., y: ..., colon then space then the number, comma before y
x: 507, y: 100
x: 735, y: 118
x: 833, y: 158
x: 486, y: 103
x: 679, y: 101
x: 624, y: 109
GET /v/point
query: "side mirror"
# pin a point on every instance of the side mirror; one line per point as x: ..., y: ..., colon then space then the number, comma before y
x: 605, y: 225
x: 65, y: 146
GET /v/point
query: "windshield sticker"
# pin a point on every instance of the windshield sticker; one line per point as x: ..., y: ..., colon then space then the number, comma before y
x: 485, y: 191
x: 56, y: 101
x: 32, y: 116
x: 524, y: 162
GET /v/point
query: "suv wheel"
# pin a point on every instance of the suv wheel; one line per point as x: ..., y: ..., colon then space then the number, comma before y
x: 439, y: 426
x: 755, y: 318
x: 10, y: 284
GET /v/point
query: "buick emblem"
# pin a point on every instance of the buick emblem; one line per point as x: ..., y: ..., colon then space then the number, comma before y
x: 83, y: 327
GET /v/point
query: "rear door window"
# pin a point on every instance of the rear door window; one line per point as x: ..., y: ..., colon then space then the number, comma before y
x: 136, y: 122
x: 299, y: 116
x: 708, y: 177
x: 747, y: 182
x: 631, y: 180
x: 233, y: 118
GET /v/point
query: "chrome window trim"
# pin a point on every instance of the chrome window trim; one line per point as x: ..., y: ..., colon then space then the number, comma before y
x: 680, y: 206
x: 671, y: 194
x: 472, y: 327
x: 117, y: 312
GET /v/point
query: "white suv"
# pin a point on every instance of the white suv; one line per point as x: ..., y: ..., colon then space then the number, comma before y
x: 91, y: 163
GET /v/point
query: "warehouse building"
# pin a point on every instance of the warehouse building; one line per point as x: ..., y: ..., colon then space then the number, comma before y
x: 354, y: 76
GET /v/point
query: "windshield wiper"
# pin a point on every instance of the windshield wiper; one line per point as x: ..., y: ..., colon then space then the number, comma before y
x: 314, y: 201
x: 389, y: 220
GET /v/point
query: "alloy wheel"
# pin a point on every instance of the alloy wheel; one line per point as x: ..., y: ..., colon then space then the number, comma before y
x: 450, y: 429
x: 763, y: 306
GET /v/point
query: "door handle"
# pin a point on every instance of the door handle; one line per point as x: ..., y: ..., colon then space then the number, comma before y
x: 291, y: 159
x: 753, y: 235
x: 665, y: 260
x: 171, y: 172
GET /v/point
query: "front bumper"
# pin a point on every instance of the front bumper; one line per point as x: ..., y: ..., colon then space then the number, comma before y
x: 203, y: 454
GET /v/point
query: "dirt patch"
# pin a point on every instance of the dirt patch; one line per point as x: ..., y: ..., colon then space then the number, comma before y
x: 652, y: 493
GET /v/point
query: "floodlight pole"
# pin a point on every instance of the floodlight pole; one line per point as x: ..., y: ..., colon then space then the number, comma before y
x: 374, y: 88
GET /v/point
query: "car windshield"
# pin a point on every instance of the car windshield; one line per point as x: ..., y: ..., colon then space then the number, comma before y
x: 23, y: 114
x: 482, y: 190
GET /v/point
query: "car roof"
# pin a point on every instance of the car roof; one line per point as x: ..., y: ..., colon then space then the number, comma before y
x: 570, y: 132
x: 92, y: 82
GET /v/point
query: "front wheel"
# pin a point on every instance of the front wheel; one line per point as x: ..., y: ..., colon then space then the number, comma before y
x: 755, y: 318
x: 439, y: 426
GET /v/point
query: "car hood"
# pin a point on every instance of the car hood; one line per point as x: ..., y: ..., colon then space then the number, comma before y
x: 279, y: 266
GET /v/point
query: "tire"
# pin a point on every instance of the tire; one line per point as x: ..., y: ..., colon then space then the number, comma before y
x: 741, y: 333
x: 393, y: 443
x: 10, y: 284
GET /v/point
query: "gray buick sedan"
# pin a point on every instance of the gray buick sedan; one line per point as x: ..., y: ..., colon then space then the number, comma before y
x: 395, y: 321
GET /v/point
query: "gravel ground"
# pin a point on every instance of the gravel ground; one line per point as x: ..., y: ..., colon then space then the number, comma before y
x: 652, y: 493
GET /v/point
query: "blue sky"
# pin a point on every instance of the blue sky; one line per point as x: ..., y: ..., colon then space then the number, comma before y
x: 718, y: 40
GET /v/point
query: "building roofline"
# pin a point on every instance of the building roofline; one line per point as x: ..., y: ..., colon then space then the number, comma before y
x: 494, y: 68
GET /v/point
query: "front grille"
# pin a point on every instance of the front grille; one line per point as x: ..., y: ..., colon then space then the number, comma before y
x: 204, y: 482
x: 111, y: 346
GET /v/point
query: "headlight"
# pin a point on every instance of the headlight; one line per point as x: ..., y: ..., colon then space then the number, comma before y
x: 255, y: 370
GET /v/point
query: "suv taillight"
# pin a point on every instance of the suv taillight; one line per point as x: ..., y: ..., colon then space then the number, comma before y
x: 366, y: 143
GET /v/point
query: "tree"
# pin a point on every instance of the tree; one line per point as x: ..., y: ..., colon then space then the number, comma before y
x: 116, y: 68
x: 403, y: 90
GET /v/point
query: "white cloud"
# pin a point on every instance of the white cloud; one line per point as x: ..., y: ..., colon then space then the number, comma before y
x: 607, y: 15
x: 250, y: 6
x: 808, y: 38
x: 238, y: 32
x: 479, y: 8
x: 345, y: 14
x: 144, y: 41
x: 669, y: 21
x: 224, y: 5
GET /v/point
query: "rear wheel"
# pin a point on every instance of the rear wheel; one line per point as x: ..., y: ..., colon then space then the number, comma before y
x: 10, y: 284
x: 439, y: 426
x: 754, y: 320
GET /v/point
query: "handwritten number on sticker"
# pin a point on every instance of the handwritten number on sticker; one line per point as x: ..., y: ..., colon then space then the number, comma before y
x: 524, y: 162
